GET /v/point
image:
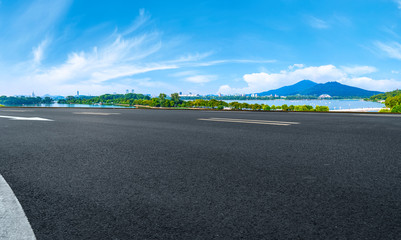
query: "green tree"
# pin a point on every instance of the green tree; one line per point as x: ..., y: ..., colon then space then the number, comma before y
x: 162, y: 99
x: 235, y: 105
x: 256, y: 107
x: 396, y: 109
x: 244, y: 106
x: 175, y: 97
x: 393, y: 101
x: 155, y: 102
x: 322, y: 108
x: 266, y: 108
x: 47, y: 100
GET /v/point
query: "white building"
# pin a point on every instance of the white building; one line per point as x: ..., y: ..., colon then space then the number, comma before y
x: 325, y: 96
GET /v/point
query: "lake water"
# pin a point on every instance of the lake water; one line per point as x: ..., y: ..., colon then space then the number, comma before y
x: 69, y: 105
x: 332, y: 104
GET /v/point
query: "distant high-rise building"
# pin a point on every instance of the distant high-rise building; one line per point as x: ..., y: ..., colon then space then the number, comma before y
x: 180, y: 93
x: 77, y: 93
x: 132, y: 90
x: 126, y: 91
x: 33, y: 94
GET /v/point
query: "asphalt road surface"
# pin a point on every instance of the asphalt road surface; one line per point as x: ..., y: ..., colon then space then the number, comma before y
x: 157, y: 174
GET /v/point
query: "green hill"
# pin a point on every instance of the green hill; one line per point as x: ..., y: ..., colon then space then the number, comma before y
x: 384, y: 96
x: 392, y: 100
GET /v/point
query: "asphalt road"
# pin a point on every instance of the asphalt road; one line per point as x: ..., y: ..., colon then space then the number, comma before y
x: 157, y: 174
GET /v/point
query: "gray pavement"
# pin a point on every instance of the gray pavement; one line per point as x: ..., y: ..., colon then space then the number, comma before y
x: 157, y: 174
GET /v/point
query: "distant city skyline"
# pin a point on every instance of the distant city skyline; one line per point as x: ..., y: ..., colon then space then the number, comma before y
x: 202, y: 47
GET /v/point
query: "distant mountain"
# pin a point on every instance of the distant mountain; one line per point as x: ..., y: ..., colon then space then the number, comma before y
x: 309, y: 88
x: 337, y: 89
x: 290, y: 90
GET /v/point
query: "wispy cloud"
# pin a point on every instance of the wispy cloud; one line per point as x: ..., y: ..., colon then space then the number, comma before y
x: 391, y: 49
x: 38, y: 52
x: 122, y: 58
x: 185, y: 73
x: 201, y: 78
x: 138, y: 22
x: 317, y: 23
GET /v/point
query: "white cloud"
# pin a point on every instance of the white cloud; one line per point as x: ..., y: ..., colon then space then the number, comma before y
x: 391, y: 49
x: 121, y: 58
x: 259, y: 82
x: 373, y: 84
x: 317, y: 23
x: 359, y: 70
x: 39, y: 51
x: 295, y: 66
x: 201, y: 78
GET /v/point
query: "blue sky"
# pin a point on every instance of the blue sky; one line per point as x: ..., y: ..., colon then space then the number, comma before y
x: 205, y: 47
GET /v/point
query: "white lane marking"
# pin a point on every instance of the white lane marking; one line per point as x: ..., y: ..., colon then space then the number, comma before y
x: 239, y: 119
x: 13, y: 221
x: 96, y: 113
x: 277, y: 123
x: 357, y: 110
x: 26, y: 118
x: 378, y: 115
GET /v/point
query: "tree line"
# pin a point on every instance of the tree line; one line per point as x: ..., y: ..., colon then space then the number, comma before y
x: 247, y: 97
x: 391, y: 99
x: 172, y: 101
x: 24, y: 100
x: 175, y: 101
